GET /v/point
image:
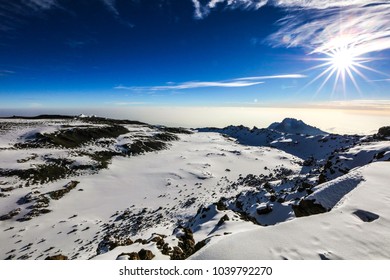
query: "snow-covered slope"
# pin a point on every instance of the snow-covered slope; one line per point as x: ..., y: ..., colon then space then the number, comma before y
x: 134, y: 197
x: 357, y: 228
x: 82, y: 188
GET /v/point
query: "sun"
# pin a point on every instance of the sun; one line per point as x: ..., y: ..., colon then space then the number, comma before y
x: 341, y: 64
x: 342, y: 60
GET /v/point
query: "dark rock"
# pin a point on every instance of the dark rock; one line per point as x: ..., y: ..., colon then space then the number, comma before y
x: 58, y: 194
x: 177, y: 254
x: 221, y: 204
x: 76, y: 137
x: 322, y: 178
x: 10, y: 214
x: 383, y: 132
x: 223, y: 219
x: 166, y: 250
x: 145, y: 254
x: 186, y: 245
x: 131, y: 256
x: 264, y: 210
x: 366, y: 216
x: 380, y: 155
x: 110, y: 242
x: 201, y: 244
x: 57, y: 257
x: 307, y: 208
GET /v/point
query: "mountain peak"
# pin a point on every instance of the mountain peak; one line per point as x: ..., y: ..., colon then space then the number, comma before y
x: 291, y: 125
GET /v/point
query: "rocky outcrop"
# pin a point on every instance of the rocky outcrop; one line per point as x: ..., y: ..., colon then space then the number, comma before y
x: 383, y: 133
x: 307, y: 208
x: 10, y: 214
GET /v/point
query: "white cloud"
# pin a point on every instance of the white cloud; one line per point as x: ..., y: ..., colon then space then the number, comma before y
x: 239, y: 82
x: 365, y: 29
x: 202, y: 10
x: 191, y: 85
x: 322, y: 4
x: 199, y: 13
x: 288, y: 76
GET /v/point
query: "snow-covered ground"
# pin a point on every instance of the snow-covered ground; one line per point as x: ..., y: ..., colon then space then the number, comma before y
x: 183, y: 195
x: 357, y: 228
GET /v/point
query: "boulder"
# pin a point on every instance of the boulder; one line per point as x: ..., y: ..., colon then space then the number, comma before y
x: 57, y: 257
x: 308, y: 208
x: 145, y: 254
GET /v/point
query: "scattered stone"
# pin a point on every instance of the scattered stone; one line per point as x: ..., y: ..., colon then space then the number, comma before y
x: 57, y: 257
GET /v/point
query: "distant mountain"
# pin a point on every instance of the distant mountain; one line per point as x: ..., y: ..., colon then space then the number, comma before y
x: 291, y: 136
x: 290, y: 125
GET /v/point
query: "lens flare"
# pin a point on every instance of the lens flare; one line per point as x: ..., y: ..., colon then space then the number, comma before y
x: 343, y: 63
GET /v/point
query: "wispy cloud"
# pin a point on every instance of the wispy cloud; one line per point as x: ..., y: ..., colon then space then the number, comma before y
x: 192, y: 85
x: 321, y: 25
x: 111, y: 6
x: 380, y: 80
x: 203, y: 9
x: 288, y: 76
x: 6, y: 72
x: 41, y: 4
x: 322, y: 4
x: 12, y: 12
x: 364, y: 28
x: 234, y: 83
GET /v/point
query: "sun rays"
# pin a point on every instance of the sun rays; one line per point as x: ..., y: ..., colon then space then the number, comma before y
x: 341, y: 65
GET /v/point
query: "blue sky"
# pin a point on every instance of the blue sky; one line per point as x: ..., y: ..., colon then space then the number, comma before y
x: 109, y: 53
